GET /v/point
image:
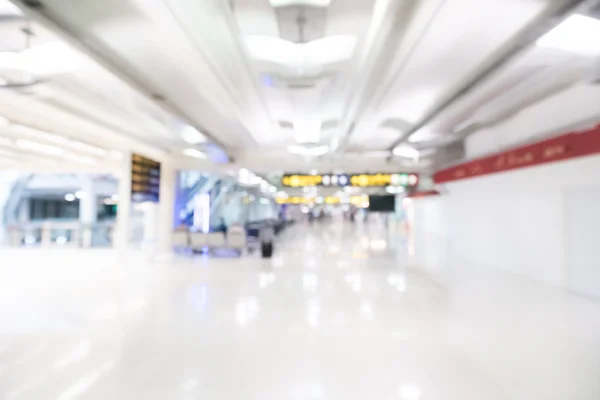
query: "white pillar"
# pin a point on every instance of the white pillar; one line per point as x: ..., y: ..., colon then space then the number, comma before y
x: 122, y: 231
x: 88, y: 210
x: 166, y: 205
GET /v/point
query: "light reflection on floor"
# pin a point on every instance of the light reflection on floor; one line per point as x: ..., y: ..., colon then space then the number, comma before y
x: 338, y: 313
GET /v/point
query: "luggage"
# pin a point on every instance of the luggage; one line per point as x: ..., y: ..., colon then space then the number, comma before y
x: 267, y: 249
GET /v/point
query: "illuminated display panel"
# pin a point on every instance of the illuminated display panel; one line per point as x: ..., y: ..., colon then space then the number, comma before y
x: 356, y: 180
x: 145, y: 179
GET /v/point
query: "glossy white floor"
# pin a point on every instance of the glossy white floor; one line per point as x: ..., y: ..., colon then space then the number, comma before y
x: 335, y: 315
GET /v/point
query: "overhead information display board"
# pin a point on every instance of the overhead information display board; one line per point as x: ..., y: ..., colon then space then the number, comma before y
x: 145, y: 179
x: 356, y: 180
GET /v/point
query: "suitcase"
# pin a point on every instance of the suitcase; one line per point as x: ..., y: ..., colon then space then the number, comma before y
x: 267, y: 250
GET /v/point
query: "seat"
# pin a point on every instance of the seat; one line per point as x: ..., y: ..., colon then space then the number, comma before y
x: 181, y: 238
x: 236, y: 238
x: 198, y: 240
x: 216, y: 240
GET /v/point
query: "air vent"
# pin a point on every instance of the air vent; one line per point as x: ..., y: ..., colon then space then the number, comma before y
x: 33, y: 3
x: 286, y: 125
x: 300, y: 85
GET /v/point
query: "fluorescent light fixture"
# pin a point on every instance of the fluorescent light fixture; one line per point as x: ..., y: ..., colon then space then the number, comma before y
x: 327, y: 50
x: 194, y: 153
x: 313, y: 3
x: 309, y: 151
x: 70, y: 197
x: 39, y: 134
x: 58, y: 139
x: 577, y: 34
x: 80, y: 158
x: 406, y: 151
x: 88, y: 148
x: 410, y: 392
x: 192, y: 136
x: 40, y: 148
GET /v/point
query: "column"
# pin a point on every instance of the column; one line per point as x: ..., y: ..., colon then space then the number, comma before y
x: 166, y: 205
x: 122, y: 230
x: 88, y: 209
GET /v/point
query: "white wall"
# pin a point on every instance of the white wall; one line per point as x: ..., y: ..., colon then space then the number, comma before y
x: 513, y: 221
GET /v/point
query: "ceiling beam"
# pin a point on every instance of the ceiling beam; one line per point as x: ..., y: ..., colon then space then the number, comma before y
x: 552, y: 17
x: 99, y: 54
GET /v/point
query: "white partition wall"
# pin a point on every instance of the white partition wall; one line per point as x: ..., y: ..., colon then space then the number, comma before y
x: 582, y: 223
x: 540, y: 222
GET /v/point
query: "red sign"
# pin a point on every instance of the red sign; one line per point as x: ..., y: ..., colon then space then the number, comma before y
x: 570, y: 145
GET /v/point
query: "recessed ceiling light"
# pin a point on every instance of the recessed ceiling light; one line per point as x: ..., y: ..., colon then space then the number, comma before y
x: 194, y: 153
x: 409, y: 392
x: 314, y: 3
x: 327, y: 50
x: 406, y: 151
x: 192, y: 136
x: 309, y: 151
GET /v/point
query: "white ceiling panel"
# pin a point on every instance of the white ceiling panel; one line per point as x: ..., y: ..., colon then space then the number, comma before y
x: 464, y: 34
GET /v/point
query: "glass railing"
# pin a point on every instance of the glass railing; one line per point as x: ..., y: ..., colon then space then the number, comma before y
x: 60, y: 234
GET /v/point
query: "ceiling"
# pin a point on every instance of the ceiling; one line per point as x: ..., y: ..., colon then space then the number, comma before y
x: 291, y: 85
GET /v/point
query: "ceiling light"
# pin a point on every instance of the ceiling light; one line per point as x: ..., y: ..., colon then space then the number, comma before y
x: 192, y: 136
x: 309, y: 151
x: 70, y: 197
x: 80, y: 194
x: 314, y: 3
x: 410, y: 392
x: 38, y: 134
x: 88, y: 148
x: 4, y: 121
x: 406, y: 151
x: 80, y: 159
x: 194, y: 153
x: 6, y: 142
x: 327, y: 50
x: 577, y: 34
x: 40, y: 147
